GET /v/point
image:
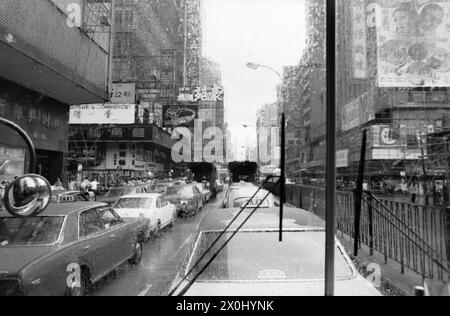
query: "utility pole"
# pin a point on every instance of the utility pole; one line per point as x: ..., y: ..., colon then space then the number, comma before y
x: 331, y: 147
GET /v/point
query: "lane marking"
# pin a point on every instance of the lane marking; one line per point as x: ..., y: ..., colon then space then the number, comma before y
x: 145, y: 291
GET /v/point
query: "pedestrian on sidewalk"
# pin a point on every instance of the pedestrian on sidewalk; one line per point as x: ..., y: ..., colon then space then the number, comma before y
x: 414, y: 190
x: 94, y: 188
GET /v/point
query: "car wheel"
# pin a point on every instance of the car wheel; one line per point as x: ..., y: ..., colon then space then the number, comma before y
x: 148, y: 236
x: 157, y: 231
x: 137, y: 254
x: 174, y: 218
x: 85, y: 285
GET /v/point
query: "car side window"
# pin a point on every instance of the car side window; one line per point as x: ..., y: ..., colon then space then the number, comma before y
x: 196, y: 191
x: 90, y: 223
x: 110, y: 219
x: 158, y: 203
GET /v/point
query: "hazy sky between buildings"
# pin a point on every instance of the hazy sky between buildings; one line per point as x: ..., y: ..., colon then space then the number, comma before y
x: 270, y: 32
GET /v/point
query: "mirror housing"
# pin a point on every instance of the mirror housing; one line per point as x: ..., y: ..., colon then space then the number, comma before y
x: 27, y: 196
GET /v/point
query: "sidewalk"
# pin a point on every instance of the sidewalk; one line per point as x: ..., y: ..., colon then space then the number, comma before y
x: 394, y: 282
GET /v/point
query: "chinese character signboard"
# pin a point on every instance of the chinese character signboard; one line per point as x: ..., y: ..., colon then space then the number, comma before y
x: 209, y: 93
x: 413, y: 43
x: 126, y: 133
x: 342, y: 160
x: 103, y: 114
x: 359, y: 111
x: 359, y: 37
x: 123, y: 93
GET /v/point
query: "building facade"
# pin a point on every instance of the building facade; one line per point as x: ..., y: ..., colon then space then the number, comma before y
x: 267, y: 127
x: 49, y: 62
x: 398, y: 115
x: 147, y: 72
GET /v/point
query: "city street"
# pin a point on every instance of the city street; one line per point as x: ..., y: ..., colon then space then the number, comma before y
x: 162, y: 257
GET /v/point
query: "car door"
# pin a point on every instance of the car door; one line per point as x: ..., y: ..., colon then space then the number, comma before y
x: 119, y: 235
x: 93, y: 242
x: 198, y: 197
x: 167, y: 213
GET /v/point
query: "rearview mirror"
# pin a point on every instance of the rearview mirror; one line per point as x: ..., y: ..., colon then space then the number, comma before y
x: 27, y: 196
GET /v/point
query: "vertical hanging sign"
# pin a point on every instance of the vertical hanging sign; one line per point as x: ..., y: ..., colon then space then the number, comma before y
x: 359, y: 39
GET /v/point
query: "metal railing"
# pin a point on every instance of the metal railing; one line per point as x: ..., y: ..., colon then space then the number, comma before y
x: 415, y: 236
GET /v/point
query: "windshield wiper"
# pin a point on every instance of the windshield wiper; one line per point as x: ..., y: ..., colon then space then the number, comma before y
x: 191, y: 282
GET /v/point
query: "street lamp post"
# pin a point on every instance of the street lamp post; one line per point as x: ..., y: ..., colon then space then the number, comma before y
x: 256, y: 66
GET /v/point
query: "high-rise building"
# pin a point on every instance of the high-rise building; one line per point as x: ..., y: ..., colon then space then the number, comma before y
x: 398, y: 110
x: 153, y: 49
x: 52, y: 56
x: 268, y: 143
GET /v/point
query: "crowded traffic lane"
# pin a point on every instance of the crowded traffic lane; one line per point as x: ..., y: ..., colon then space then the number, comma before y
x: 162, y: 259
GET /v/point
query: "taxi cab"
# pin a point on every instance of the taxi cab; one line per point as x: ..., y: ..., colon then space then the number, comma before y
x: 66, y: 248
x: 252, y: 261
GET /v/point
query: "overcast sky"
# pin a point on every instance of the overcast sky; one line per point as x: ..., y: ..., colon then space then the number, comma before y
x: 269, y: 32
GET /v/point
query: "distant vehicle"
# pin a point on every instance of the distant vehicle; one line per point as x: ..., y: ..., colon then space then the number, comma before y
x: 40, y: 253
x: 219, y: 186
x: 71, y: 196
x: 115, y: 193
x: 151, y: 206
x: 187, y: 198
x: 206, y: 193
x: 238, y: 197
x: 235, y: 186
x: 162, y: 187
x: 255, y: 263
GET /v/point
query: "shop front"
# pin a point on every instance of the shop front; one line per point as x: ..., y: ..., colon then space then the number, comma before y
x: 122, y: 152
x: 44, y: 119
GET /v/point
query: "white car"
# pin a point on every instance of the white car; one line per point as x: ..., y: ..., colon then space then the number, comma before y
x: 252, y: 262
x: 148, y: 205
x: 206, y: 193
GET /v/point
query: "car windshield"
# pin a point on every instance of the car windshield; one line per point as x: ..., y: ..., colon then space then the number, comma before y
x: 346, y: 100
x: 133, y: 203
x: 32, y: 231
x: 114, y: 192
x: 259, y: 256
x: 242, y: 201
x: 180, y: 191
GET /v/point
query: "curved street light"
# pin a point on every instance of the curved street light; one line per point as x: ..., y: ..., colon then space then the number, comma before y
x: 256, y: 66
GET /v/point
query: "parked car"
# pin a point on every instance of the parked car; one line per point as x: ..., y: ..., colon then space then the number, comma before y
x: 162, y: 187
x: 72, y: 196
x: 43, y: 255
x: 255, y: 263
x: 187, y: 199
x: 115, y: 193
x: 160, y: 213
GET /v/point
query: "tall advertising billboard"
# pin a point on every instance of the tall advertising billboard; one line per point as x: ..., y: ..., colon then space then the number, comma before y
x: 413, y: 43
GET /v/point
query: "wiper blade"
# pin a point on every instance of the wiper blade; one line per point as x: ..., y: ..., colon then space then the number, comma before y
x: 217, y: 240
x: 220, y: 249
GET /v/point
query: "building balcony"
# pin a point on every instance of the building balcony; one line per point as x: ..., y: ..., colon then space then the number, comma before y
x: 39, y: 51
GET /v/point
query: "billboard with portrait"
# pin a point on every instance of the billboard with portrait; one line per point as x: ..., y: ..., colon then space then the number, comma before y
x: 413, y: 43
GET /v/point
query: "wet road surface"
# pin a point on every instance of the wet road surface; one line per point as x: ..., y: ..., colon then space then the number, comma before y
x: 160, y: 263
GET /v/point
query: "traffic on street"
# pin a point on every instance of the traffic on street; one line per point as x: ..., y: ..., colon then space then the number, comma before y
x: 225, y: 149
